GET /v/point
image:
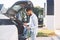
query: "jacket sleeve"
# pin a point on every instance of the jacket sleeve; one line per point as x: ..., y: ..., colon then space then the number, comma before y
x: 35, y: 22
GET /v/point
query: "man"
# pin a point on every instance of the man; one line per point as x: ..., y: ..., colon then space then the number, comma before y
x: 33, y: 23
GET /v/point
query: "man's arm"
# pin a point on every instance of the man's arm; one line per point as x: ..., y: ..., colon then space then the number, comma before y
x: 35, y: 22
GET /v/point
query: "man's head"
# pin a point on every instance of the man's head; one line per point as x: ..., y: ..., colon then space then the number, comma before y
x: 29, y: 11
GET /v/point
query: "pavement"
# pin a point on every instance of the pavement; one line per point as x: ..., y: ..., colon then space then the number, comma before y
x: 47, y: 38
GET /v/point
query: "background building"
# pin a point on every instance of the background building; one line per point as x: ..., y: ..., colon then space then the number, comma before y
x: 49, y: 14
x: 57, y: 14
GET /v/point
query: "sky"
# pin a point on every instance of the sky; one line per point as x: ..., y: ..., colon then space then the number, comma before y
x: 9, y: 3
x: 38, y: 2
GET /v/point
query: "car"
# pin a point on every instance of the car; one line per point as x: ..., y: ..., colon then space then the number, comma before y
x: 8, y: 30
x: 17, y: 13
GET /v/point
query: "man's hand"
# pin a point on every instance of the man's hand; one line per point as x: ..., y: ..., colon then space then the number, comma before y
x: 28, y: 28
x: 25, y: 24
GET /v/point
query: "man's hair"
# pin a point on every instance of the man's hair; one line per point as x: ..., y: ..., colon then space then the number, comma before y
x: 28, y: 8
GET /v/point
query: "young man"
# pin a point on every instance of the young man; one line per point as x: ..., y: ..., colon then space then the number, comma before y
x: 33, y: 23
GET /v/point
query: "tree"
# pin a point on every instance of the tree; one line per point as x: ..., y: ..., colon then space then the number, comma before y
x: 38, y: 10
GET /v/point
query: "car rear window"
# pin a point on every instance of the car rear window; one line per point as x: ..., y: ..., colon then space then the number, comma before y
x: 6, y: 22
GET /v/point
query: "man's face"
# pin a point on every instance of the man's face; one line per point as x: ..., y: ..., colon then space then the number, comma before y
x: 29, y: 13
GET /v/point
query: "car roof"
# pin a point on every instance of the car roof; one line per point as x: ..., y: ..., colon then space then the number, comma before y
x: 29, y: 3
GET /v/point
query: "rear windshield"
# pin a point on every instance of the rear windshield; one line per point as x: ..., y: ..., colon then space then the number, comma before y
x: 6, y: 22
